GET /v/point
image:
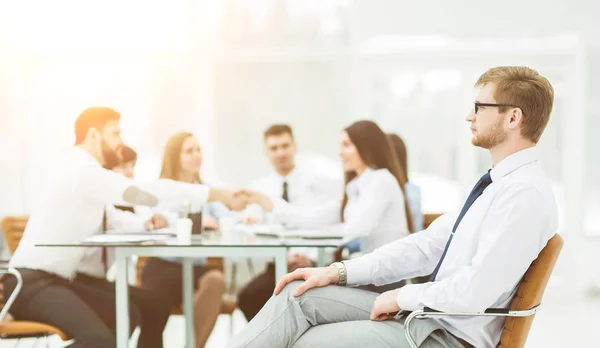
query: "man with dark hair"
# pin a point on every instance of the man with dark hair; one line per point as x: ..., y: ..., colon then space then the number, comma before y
x: 279, y: 129
x: 299, y: 186
x: 280, y: 148
x: 72, y: 207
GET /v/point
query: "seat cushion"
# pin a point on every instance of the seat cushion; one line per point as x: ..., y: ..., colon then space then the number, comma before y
x: 29, y: 328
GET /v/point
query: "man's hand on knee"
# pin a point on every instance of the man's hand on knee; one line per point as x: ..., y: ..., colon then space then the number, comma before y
x: 313, y: 278
x: 385, y: 306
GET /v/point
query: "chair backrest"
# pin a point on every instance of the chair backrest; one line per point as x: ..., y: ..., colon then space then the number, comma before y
x: 13, y: 228
x: 529, y: 294
x: 428, y: 219
x: 1, y: 294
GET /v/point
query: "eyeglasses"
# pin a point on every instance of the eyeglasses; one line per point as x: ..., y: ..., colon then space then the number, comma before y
x: 478, y: 105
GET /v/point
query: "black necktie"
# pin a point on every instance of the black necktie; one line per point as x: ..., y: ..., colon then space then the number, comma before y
x: 485, y: 180
x: 104, y: 251
x: 284, y: 196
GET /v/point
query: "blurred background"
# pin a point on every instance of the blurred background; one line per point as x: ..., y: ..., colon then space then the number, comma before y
x: 226, y: 69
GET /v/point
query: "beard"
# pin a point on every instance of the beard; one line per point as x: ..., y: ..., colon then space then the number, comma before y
x: 110, y: 156
x: 492, y: 138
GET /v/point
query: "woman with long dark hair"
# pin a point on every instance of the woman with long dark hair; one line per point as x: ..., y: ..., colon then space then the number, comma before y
x: 412, y: 191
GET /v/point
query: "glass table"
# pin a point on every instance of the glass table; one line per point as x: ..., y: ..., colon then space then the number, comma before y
x: 235, y: 244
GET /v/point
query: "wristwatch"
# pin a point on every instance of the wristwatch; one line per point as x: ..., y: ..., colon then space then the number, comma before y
x: 342, y: 272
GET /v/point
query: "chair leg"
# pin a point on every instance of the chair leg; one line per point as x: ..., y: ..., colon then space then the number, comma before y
x: 407, y: 323
x: 233, y: 279
x: 250, y: 267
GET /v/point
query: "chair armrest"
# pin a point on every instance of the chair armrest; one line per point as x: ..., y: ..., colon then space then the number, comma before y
x: 13, y: 296
x: 490, y: 312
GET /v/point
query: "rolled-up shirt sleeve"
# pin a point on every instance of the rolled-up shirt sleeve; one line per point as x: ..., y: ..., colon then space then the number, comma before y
x: 412, y: 256
x: 113, y: 188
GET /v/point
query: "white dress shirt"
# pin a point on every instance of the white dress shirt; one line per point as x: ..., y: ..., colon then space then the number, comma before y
x: 71, y: 206
x: 306, y: 188
x: 498, y: 238
x: 375, y: 210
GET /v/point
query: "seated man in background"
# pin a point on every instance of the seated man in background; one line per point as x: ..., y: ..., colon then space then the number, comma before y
x: 476, y: 257
x: 301, y: 187
x: 71, y: 207
x: 290, y: 181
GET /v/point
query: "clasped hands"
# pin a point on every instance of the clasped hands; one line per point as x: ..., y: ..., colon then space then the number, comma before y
x: 238, y: 199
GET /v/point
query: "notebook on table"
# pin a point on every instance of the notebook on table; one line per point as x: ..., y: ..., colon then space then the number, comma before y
x: 133, y: 237
x: 302, y: 234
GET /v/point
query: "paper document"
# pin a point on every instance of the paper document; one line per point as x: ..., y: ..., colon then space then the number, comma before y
x: 126, y: 238
x: 259, y: 228
x: 306, y: 234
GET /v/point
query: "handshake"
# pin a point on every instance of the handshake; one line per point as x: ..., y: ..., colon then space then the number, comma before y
x: 238, y: 199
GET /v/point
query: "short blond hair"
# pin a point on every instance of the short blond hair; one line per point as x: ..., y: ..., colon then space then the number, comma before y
x: 526, y: 89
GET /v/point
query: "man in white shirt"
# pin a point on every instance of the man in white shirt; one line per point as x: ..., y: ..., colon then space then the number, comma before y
x: 297, y: 185
x: 66, y: 287
x: 476, y: 257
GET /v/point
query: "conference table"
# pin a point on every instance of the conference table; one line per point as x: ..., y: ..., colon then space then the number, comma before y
x: 231, y: 245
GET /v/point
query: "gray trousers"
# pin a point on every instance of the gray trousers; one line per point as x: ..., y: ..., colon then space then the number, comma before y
x: 333, y: 317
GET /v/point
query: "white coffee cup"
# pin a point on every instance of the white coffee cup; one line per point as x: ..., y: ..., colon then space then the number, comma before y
x: 184, y: 230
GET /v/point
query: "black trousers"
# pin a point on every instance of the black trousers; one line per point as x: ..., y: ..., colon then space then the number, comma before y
x: 165, y: 279
x: 256, y: 293
x: 84, y: 308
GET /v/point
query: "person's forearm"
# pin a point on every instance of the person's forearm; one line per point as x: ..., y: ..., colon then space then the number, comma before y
x: 215, y: 195
x: 165, y: 191
x: 266, y: 203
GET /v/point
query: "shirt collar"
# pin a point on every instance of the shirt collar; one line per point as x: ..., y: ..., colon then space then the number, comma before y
x: 355, y: 184
x: 514, y: 162
x: 293, y: 176
x: 85, y: 156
